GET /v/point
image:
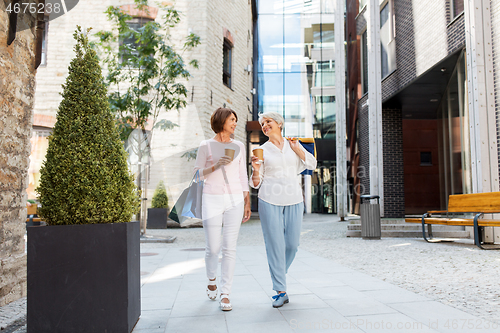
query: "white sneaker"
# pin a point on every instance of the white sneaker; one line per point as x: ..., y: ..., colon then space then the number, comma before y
x: 212, y: 294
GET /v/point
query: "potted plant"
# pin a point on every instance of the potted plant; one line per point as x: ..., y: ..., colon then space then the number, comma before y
x: 157, y: 214
x: 83, y: 267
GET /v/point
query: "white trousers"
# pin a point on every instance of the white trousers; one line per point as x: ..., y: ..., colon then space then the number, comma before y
x: 222, y: 216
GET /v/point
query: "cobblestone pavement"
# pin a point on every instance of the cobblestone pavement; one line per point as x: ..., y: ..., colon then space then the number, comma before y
x: 13, y: 316
x: 455, y: 274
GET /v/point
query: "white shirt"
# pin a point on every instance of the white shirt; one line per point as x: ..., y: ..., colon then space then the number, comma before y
x: 280, y: 174
x: 209, y: 152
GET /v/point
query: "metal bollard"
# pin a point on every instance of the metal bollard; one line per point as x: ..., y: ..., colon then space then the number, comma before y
x: 370, y: 217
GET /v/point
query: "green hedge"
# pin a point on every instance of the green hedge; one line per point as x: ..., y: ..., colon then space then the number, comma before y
x: 160, y: 198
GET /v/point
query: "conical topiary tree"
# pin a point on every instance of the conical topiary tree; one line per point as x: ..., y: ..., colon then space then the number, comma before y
x: 160, y: 198
x: 85, y: 178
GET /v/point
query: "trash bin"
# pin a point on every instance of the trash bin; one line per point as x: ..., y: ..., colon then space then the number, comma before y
x: 370, y: 217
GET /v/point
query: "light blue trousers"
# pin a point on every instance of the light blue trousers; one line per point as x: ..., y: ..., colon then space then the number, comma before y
x: 281, y: 227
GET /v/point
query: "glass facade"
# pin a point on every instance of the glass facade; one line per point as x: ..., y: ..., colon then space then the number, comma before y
x: 296, y: 77
x: 453, y: 137
x: 296, y: 66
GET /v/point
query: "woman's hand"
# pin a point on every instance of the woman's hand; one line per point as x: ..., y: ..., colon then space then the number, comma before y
x: 296, y: 147
x: 224, y: 160
x: 247, y: 213
x: 255, y: 163
x: 294, y: 143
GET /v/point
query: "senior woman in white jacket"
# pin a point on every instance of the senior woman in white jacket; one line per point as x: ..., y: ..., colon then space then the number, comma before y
x: 281, y: 204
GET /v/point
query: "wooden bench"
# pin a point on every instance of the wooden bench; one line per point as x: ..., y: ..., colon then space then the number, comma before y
x: 32, y: 218
x: 463, y: 204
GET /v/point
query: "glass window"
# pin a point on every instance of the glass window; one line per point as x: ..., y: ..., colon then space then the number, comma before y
x: 384, y: 59
x: 302, y: 41
x: 270, y: 92
x: 302, y: 6
x: 227, y: 63
x: 364, y: 61
x: 426, y: 158
x: 296, y: 64
x: 384, y: 26
x: 129, y: 44
x: 458, y: 7
x: 384, y: 15
x: 328, y: 6
x: 325, y: 109
x: 270, y: 7
x: 325, y: 74
x: 44, y: 41
x: 271, y: 43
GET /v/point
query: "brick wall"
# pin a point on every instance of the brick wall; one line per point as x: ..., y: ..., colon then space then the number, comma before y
x: 392, y: 134
x: 206, y: 18
x: 425, y: 35
x: 17, y: 83
x: 495, y: 29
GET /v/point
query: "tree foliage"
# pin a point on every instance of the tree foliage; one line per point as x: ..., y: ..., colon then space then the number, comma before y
x: 145, y: 72
x: 85, y: 178
x: 160, y: 198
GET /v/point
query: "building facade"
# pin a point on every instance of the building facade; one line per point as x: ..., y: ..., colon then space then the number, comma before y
x: 224, y: 78
x: 295, y: 76
x: 18, y: 50
x: 422, y: 121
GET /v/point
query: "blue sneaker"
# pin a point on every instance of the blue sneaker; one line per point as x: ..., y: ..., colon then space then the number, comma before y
x: 279, y: 300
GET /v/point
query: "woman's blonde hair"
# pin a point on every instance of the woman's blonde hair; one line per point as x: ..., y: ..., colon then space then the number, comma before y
x: 274, y: 116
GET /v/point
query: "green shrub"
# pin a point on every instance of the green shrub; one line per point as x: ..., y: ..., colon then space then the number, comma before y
x: 85, y: 178
x: 160, y: 198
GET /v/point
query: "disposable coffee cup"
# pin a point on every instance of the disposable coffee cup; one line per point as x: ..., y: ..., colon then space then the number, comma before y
x: 229, y: 153
x: 259, y: 153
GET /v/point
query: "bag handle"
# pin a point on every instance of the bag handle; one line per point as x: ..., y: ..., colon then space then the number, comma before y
x: 196, y: 177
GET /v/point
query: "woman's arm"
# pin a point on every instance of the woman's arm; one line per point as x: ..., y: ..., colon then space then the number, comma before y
x: 297, y: 148
x: 306, y: 157
x: 201, y: 161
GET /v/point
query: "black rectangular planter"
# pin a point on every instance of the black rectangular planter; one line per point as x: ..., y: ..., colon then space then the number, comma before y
x: 157, y: 218
x: 84, y: 278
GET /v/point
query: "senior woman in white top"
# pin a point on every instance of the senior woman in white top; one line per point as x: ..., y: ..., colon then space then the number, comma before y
x: 281, y: 204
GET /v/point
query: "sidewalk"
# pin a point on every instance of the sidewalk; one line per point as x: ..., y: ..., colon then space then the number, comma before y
x: 324, y: 296
x: 335, y: 283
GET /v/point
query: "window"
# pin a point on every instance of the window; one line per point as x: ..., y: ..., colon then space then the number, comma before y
x: 425, y: 158
x: 364, y: 61
x: 325, y: 74
x: 129, y: 41
x: 387, y: 40
x: 227, y: 63
x: 44, y: 42
x: 457, y: 7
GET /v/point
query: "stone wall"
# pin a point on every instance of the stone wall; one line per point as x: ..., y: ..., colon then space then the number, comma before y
x: 206, y: 18
x: 17, y: 86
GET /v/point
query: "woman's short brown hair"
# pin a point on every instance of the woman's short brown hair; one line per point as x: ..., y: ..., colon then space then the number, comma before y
x: 219, y: 117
